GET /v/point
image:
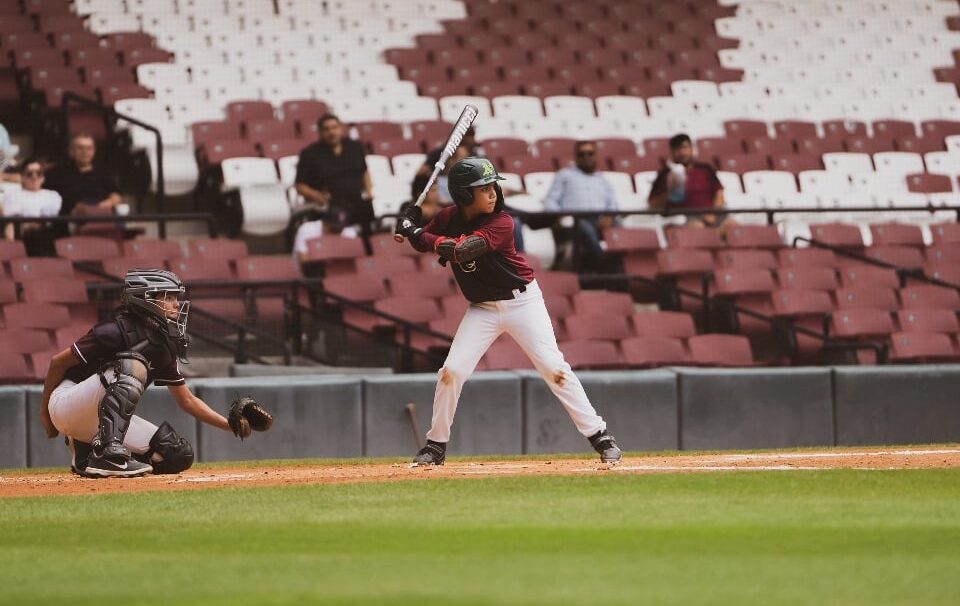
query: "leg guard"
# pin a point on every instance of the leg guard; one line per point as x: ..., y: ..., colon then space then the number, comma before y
x: 169, y: 453
x: 119, y: 402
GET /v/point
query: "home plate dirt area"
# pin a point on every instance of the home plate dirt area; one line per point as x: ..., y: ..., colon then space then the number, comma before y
x: 19, y: 484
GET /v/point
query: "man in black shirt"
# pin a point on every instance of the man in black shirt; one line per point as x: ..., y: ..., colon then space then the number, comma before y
x: 79, y: 182
x: 332, y: 175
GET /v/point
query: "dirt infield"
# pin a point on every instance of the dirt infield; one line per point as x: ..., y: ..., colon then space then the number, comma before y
x: 46, y: 484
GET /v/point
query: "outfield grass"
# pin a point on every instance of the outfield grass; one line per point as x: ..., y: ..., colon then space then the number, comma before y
x: 826, y: 537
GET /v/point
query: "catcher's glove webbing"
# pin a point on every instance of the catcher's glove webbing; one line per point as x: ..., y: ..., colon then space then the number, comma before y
x: 247, y: 416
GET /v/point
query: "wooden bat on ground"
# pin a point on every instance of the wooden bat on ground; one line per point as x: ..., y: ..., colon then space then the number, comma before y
x: 467, y: 116
x: 411, y: 415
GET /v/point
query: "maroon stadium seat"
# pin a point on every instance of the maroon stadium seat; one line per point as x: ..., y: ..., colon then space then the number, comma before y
x: 384, y: 244
x: 635, y: 164
x: 138, y: 56
x: 720, y: 350
x: 681, y: 261
x: 558, y: 282
x: 8, y: 292
x: 25, y: 340
x: 945, y: 272
x: 939, y: 129
x: 894, y: 129
x: 504, y: 147
x: 942, y: 253
x: 597, y: 325
x: 559, y: 150
x: 54, y: 290
x: 929, y: 320
x: 807, y: 257
x: 152, y: 249
x: 902, y: 234
x: 900, y: 256
x: 414, y: 309
x: 522, y: 165
x: 215, y: 152
x: 207, y: 132
x: 842, y: 235
x: 591, y: 353
x: 375, y: 131
x: 407, y: 57
x: 506, y: 56
x: 647, y: 352
x: 217, y: 248
x: 868, y: 145
x: 801, y: 303
x: 13, y: 367
x: 603, y: 301
x: 921, y: 347
x: 413, y: 285
x: 432, y: 133
x: 303, y: 112
x: 816, y: 146
x: 602, y: 57
x: 87, y: 248
x: 674, y: 324
x: 769, y: 147
x: 919, y: 145
x: 498, y: 89
x: 267, y: 267
x: 926, y: 183
x: 713, y: 148
x: 523, y: 74
x: 454, y: 56
x: 261, y: 131
x: 42, y: 316
x: 868, y: 297
x: 505, y: 354
x: 697, y: 58
x: 128, y: 40
x: 281, y: 148
x: 744, y: 163
x: 356, y: 288
x: 747, y: 259
x: 927, y: 296
x: 335, y: 252
x: 863, y: 276
x: 631, y: 239
x: 796, y: 163
x: 808, y: 277
x: 794, y: 129
x: 249, y: 110
x: 945, y: 233
x: 40, y: 267
x: 745, y: 129
x: 754, y: 236
x: 694, y: 237
x: 383, y: 266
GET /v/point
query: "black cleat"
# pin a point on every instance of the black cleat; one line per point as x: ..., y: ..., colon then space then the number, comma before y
x: 114, y: 461
x: 434, y: 453
x: 605, y: 444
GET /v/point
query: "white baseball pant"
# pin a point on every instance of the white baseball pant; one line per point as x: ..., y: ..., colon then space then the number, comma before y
x: 73, y: 410
x: 524, y: 318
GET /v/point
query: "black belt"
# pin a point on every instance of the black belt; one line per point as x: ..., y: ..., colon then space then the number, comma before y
x: 508, y: 295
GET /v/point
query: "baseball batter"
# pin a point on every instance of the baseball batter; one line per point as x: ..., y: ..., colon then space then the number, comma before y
x: 93, y: 387
x: 476, y: 236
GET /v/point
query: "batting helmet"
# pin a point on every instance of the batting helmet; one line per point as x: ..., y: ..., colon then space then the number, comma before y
x: 473, y: 172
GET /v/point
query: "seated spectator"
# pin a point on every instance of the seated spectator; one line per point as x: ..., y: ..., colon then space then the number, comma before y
x: 468, y: 143
x: 431, y: 203
x: 687, y: 184
x: 84, y: 187
x: 332, y: 176
x: 32, y: 200
x: 582, y: 188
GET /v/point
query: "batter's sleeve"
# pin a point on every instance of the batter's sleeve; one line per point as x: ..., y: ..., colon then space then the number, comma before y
x: 498, y: 232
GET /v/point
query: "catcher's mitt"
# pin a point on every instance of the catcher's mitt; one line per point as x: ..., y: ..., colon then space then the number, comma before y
x: 247, y: 416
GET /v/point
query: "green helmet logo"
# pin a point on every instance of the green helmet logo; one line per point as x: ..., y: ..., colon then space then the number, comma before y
x: 472, y: 172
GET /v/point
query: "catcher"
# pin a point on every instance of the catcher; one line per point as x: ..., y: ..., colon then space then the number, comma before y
x: 92, y: 388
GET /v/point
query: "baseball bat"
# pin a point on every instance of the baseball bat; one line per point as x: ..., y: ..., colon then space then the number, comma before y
x: 411, y: 415
x: 467, y: 116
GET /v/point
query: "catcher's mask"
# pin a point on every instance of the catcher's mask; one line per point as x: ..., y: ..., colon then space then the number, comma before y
x: 473, y: 172
x: 156, y: 296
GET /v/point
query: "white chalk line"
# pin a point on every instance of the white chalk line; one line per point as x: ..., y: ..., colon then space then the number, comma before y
x: 828, y: 455
x: 216, y: 478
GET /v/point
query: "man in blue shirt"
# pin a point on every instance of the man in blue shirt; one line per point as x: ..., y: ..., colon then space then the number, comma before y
x: 582, y: 188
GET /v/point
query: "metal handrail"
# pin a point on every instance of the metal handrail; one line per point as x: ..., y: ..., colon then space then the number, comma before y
x: 69, y: 96
x: 160, y: 219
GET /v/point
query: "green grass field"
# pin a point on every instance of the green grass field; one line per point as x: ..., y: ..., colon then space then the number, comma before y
x: 824, y: 537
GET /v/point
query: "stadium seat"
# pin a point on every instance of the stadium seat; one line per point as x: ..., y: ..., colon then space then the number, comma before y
x: 653, y: 351
x: 594, y: 325
x: 921, y: 347
x: 591, y: 354
x: 720, y: 350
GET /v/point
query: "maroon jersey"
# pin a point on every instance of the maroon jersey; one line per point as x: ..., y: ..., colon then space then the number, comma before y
x: 492, y: 276
x: 702, y: 185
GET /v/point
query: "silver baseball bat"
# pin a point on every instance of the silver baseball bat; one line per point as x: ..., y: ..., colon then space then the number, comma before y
x: 467, y: 116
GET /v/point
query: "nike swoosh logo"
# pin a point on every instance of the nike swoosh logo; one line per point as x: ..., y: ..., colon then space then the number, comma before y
x: 118, y: 466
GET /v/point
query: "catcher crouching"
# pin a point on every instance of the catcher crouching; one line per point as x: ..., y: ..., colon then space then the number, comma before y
x: 92, y: 388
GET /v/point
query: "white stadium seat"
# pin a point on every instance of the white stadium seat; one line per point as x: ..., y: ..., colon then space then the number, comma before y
x: 517, y: 106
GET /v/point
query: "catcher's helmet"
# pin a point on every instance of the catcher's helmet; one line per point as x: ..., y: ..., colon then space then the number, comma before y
x: 473, y: 172
x: 144, y: 291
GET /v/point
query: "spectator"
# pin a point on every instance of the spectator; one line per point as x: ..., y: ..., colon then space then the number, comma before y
x: 581, y: 188
x: 332, y: 175
x: 687, y: 184
x: 84, y: 187
x: 32, y: 201
x: 431, y: 203
x: 468, y: 143
x: 8, y: 157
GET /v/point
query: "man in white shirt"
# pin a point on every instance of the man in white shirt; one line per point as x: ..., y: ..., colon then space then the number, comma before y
x: 31, y: 201
x: 582, y: 188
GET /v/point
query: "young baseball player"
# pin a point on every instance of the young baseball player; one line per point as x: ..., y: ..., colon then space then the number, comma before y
x: 93, y: 387
x: 476, y: 236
